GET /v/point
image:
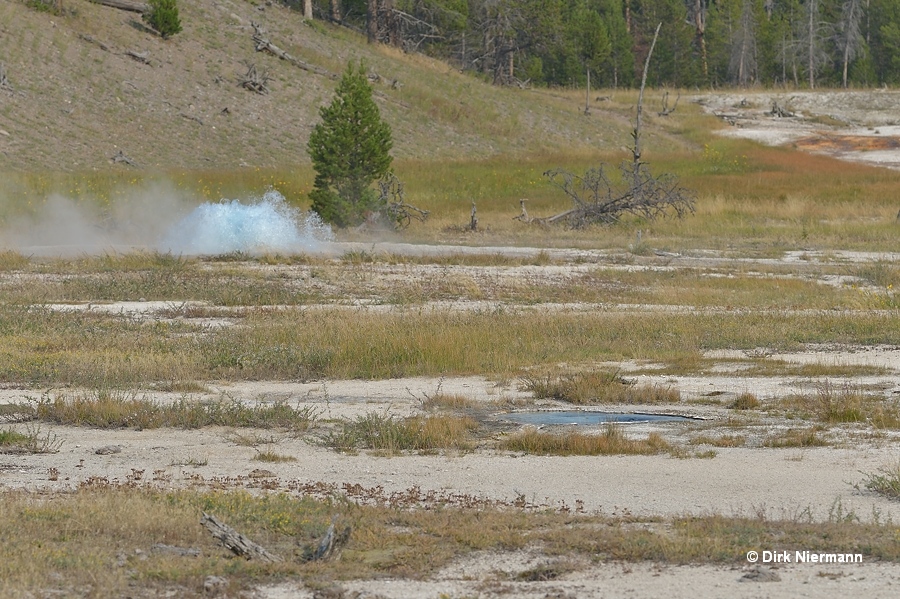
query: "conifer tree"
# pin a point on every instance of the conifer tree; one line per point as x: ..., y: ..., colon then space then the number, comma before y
x: 350, y: 150
x: 163, y: 16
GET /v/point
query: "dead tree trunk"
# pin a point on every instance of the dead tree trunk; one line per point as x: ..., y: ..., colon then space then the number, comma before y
x: 139, y: 7
x: 307, y: 9
x: 336, y: 11
x: 371, y: 21
x: 636, y: 153
x: 263, y: 44
x: 235, y: 541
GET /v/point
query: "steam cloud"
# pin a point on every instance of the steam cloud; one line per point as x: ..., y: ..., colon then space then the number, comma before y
x: 158, y: 220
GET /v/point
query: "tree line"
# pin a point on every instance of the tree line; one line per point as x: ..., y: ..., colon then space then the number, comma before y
x: 702, y: 43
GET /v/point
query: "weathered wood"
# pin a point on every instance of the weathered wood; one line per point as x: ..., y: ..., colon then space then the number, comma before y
x: 142, y: 57
x: 128, y: 5
x: 4, y: 82
x: 173, y: 550
x: 666, y: 111
x: 121, y: 157
x: 255, y: 80
x: 235, y: 541
x: 330, y: 545
x: 264, y: 45
x: 95, y: 41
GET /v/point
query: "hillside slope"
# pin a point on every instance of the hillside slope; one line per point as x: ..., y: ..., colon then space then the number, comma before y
x: 78, y: 98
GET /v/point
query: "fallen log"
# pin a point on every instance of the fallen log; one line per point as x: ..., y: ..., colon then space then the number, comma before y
x: 138, y: 7
x: 264, y: 45
x: 235, y: 541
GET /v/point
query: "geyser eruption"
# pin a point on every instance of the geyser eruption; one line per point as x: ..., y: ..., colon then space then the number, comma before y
x: 267, y: 225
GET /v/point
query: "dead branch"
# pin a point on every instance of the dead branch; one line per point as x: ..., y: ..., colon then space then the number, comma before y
x: 4, y: 82
x: 121, y: 157
x: 396, y: 210
x: 91, y: 40
x: 597, y: 200
x: 236, y: 542
x: 254, y: 80
x: 138, y: 7
x: 141, y: 57
x: 779, y: 112
x: 263, y: 44
x: 191, y: 117
x: 666, y: 111
x: 329, y: 546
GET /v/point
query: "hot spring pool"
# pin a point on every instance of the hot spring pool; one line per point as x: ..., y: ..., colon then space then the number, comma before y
x: 588, y: 418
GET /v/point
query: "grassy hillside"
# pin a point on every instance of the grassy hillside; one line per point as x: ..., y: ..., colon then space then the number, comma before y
x: 77, y: 102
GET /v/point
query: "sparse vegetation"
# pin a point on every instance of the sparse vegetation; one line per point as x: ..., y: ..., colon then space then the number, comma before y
x: 106, y: 408
x: 611, y: 440
x: 598, y: 387
x: 390, y: 435
x: 884, y: 482
x: 100, y: 518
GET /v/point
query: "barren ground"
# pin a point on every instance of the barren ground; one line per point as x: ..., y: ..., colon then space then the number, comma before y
x: 750, y: 480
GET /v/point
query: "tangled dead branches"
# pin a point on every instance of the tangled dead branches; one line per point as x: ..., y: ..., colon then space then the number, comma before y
x: 396, y: 210
x: 254, y: 80
x: 598, y: 200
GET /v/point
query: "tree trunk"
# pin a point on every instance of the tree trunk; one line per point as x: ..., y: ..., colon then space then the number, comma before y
x: 139, y: 7
x: 587, y: 94
x: 307, y: 9
x: 700, y: 25
x: 372, y: 21
x: 812, y: 47
x: 336, y: 11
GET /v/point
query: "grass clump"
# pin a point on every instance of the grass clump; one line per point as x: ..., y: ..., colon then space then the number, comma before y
x: 845, y: 404
x: 720, y: 441
x: 33, y: 440
x: 884, y: 482
x: 387, y: 434
x: 745, y: 401
x: 611, y: 441
x: 115, y: 409
x: 273, y: 457
x: 807, y: 437
x: 598, y: 387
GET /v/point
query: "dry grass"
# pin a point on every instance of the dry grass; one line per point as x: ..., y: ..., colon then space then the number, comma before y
x: 793, y: 437
x: 114, y: 409
x: 720, y: 440
x: 745, y: 401
x: 387, y: 434
x: 834, y: 404
x: 612, y: 440
x: 598, y: 387
x: 40, y: 346
x: 99, y: 540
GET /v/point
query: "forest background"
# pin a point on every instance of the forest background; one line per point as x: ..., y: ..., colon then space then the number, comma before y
x: 704, y: 43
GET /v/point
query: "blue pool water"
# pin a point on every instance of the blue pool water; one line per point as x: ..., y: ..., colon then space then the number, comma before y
x: 588, y: 418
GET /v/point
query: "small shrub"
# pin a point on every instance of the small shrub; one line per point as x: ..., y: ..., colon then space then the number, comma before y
x: 745, y: 401
x: 163, y: 17
x: 885, y: 482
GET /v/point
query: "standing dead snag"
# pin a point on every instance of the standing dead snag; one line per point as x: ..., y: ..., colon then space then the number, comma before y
x: 597, y: 200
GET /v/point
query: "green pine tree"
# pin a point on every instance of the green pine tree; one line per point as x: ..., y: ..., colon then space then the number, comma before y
x: 163, y: 16
x: 350, y: 149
